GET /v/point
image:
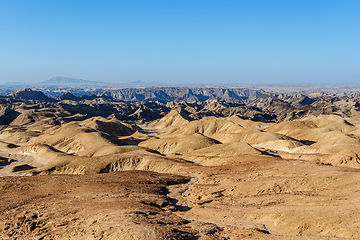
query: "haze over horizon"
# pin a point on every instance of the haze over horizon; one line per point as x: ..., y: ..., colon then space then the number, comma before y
x: 234, y: 42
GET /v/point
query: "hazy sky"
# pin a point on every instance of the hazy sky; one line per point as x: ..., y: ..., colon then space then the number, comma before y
x: 180, y: 41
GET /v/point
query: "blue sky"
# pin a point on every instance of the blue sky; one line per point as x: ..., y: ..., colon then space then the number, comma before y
x: 208, y: 41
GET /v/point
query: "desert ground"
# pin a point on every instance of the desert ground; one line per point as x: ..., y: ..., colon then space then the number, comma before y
x: 283, y: 167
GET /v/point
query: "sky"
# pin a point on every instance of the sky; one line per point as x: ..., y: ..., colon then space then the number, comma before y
x: 181, y: 41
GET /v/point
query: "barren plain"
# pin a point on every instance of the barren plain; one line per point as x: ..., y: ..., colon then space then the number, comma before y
x: 271, y: 166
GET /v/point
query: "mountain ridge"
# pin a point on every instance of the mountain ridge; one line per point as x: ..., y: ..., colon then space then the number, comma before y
x: 68, y: 81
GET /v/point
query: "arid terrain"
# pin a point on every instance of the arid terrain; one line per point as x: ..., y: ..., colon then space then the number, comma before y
x: 246, y: 165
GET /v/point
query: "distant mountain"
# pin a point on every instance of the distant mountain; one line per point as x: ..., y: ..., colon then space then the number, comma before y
x: 70, y: 96
x: 68, y: 81
x: 137, y: 82
x: 167, y: 94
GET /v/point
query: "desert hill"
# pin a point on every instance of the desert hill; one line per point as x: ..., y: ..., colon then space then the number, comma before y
x: 29, y: 94
x: 259, y: 106
x: 97, y: 167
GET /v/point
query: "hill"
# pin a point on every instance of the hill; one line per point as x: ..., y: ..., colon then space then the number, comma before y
x: 29, y: 94
x: 275, y: 166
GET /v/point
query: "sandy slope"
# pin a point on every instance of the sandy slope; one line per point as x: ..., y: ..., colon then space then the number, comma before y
x: 241, y: 179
